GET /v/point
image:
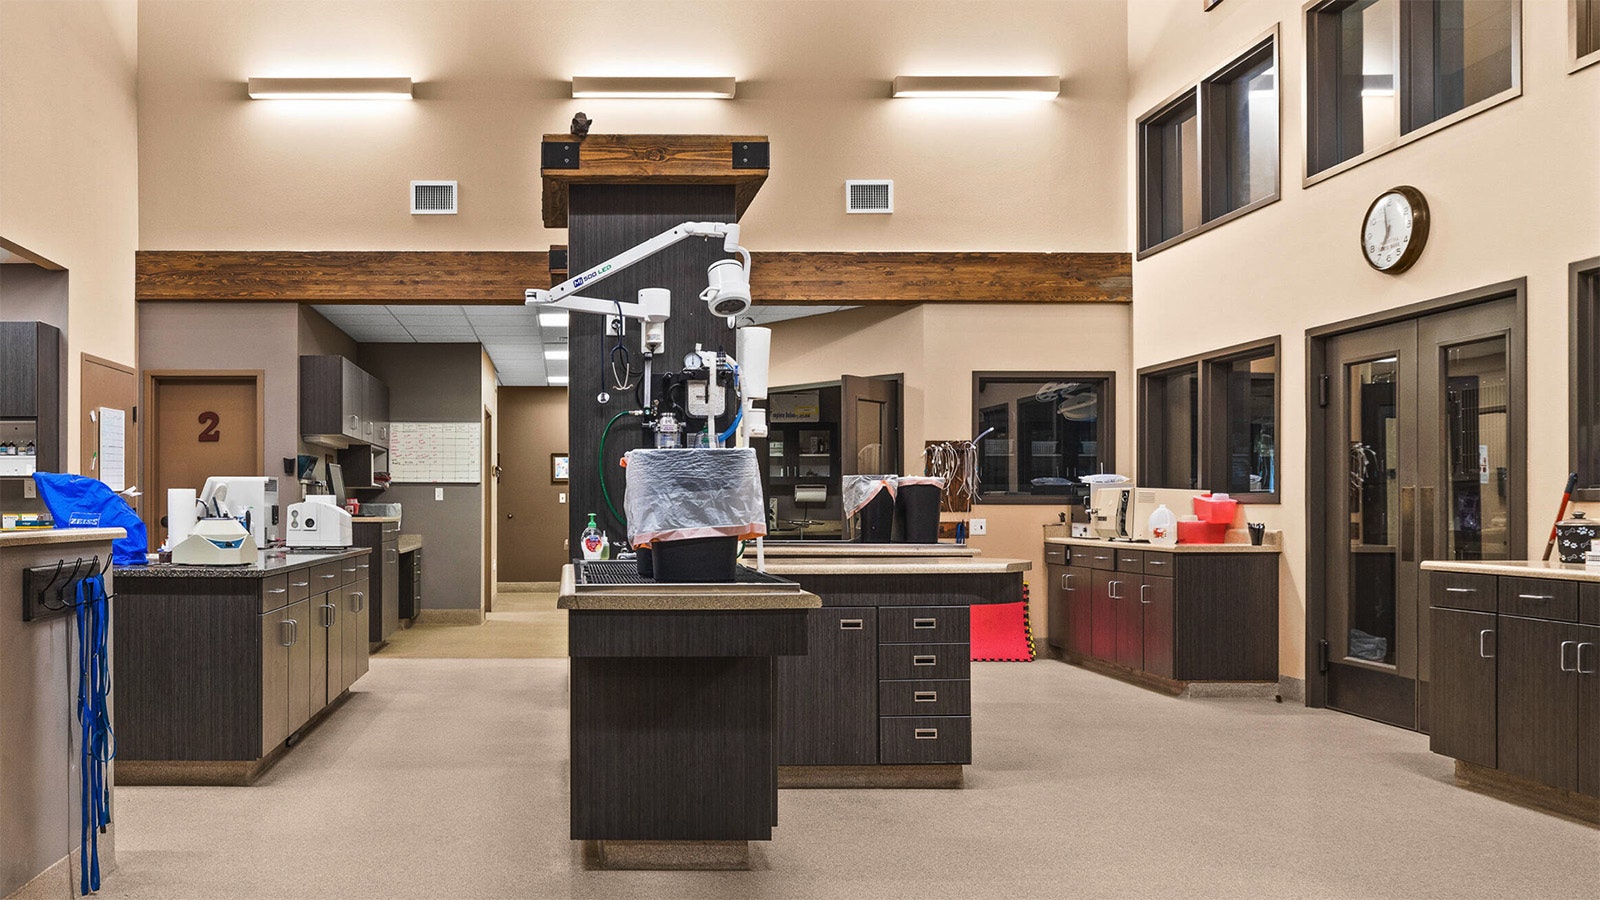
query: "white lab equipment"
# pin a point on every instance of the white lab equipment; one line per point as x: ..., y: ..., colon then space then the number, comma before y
x: 318, y: 521
x: 244, y: 496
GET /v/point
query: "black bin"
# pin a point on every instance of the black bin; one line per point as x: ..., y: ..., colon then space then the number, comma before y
x: 877, y: 519
x: 916, y: 508
x: 646, y: 568
x: 709, y: 560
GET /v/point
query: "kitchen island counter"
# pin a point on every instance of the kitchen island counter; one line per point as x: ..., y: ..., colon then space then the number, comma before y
x: 268, y: 562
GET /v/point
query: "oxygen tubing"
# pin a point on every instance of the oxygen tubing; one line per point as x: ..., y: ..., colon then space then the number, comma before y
x: 600, y: 464
x: 737, y: 416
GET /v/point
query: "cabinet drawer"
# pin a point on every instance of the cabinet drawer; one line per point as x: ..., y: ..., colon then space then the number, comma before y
x: 1130, y: 560
x: 299, y: 584
x: 275, y: 592
x: 1538, y: 598
x: 901, y: 661
x: 1589, y: 604
x: 1057, y: 554
x: 1462, y: 590
x: 326, y: 577
x: 350, y: 569
x: 924, y: 624
x: 906, y: 740
x: 1158, y: 563
x: 1096, y: 557
x: 925, y: 698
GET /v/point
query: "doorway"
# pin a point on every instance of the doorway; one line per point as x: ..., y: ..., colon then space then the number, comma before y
x: 1417, y: 451
x: 199, y: 424
x: 107, y: 385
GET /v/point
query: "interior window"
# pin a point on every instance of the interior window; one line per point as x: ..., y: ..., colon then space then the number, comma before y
x: 1044, y: 433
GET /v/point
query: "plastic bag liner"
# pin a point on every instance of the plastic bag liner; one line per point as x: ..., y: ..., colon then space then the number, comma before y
x: 674, y: 495
x: 908, y: 480
x: 860, y: 489
x: 75, y: 501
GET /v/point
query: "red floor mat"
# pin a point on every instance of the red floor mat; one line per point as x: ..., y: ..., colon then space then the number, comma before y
x: 1001, y: 633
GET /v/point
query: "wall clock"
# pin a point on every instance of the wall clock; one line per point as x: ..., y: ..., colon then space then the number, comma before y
x: 1395, y: 229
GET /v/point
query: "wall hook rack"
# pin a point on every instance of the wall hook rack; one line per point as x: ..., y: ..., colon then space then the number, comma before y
x: 51, y: 591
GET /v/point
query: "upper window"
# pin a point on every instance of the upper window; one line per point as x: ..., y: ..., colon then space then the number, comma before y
x: 1381, y: 72
x: 1211, y: 423
x: 1584, y: 19
x: 1211, y: 152
x: 1586, y: 377
x: 1042, y: 433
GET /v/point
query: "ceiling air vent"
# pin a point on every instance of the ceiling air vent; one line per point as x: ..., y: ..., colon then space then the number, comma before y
x: 433, y: 198
x: 869, y: 196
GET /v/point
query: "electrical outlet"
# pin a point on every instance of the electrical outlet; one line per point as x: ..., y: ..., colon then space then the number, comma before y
x: 977, y: 526
x: 438, y: 493
x: 615, y: 326
x: 562, y: 496
x: 29, y: 489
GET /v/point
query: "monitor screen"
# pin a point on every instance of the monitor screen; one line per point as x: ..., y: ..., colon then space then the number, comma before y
x: 336, y: 482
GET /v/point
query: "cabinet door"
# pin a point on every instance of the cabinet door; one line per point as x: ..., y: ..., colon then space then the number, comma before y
x: 1080, y: 610
x: 1462, y: 679
x: 1537, y: 677
x: 1103, y: 611
x: 1130, y: 618
x: 317, y: 653
x: 352, y: 400
x: 1589, y: 710
x: 377, y: 410
x: 357, y: 628
x: 828, y: 699
x: 19, y: 370
x: 302, y: 622
x: 1155, y: 596
x: 1056, y: 606
x: 275, y: 643
x: 387, y: 615
x: 337, y: 623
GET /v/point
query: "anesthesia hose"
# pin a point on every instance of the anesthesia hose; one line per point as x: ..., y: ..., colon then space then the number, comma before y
x: 600, y: 463
x: 737, y: 416
x: 94, y: 720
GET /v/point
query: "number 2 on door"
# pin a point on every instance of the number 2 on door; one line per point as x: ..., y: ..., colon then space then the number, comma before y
x: 210, y: 434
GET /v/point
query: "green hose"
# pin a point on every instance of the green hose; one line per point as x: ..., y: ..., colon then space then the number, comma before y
x: 601, y: 464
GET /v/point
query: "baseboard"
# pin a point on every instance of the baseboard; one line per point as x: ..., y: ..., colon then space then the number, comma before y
x: 868, y: 776
x: 1530, y: 794
x: 450, y: 617
x: 528, y: 587
x: 1291, y: 689
x: 62, y: 878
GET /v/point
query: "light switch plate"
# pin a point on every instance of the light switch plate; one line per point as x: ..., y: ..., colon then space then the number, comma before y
x: 438, y: 493
x: 563, y: 496
x: 977, y: 526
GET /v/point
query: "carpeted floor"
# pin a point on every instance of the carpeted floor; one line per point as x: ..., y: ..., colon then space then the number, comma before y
x: 446, y: 778
x: 523, y: 625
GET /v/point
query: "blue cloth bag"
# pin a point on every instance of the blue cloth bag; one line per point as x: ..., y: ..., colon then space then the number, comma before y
x: 78, y: 502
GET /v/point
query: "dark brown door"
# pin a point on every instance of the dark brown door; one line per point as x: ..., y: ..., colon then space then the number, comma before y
x: 109, y: 385
x: 869, y: 415
x: 1463, y: 698
x: 828, y: 699
x: 1130, y: 620
x: 1425, y: 460
x: 1155, y: 596
x: 200, y: 425
x: 1080, y: 610
x: 1103, y: 612
x: 533, y: 504
x: 1538, y: 686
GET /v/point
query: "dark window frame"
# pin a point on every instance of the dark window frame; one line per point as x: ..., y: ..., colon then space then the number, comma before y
x: 1321, y: 132
x: 1208, y: 104
x: 1584, y: 366
x: 1106, y: 444
x: 1212, y: 444
x: 1582, y: 15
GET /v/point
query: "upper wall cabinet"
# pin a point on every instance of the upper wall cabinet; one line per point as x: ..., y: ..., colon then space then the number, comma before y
x: 32, y: 372
x: 341, y: 405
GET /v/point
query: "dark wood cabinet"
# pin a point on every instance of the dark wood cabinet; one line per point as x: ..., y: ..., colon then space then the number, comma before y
x: 1127, y: 598
x: 1462, y: 694
x: 1077, y: 582
x: 382, y: 568
x: 1538, y: 700
x: 1056, y: 615
x: 341, y: 404
x: 32, y: 379
x: 827, y: 699
x: 1103, y: 614
x: 1155, y: 595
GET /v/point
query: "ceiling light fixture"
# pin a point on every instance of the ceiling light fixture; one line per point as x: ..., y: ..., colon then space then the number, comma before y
x: 1009, y: 87
x: 557, y: 319
x: 330, y: 88
x: 598, y: 87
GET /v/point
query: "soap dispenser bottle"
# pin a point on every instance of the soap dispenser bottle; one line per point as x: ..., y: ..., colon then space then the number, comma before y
x: 591, y: 540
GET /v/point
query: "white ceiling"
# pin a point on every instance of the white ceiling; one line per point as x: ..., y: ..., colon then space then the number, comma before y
x: 511, y: 335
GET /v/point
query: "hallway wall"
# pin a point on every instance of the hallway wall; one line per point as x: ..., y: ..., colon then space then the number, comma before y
x: 533, y: 520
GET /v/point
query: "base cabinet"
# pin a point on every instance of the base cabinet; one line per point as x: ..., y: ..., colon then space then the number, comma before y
x: 1462, y: 692
x: 827, y: 698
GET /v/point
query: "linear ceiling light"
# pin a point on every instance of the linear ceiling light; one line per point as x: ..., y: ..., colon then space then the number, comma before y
x: 330, y: 89
x: 590, y: 87
x: 1015, y: 87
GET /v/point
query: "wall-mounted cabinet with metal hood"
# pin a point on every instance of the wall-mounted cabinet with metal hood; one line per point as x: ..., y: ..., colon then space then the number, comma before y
x: 342, y: 405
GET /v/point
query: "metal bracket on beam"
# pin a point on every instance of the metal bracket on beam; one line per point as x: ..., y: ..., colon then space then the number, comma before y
x: 752, y: 155
x: 559, y: 154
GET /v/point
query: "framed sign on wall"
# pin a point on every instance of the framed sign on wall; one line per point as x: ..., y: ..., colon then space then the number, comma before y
x: 559, y: 468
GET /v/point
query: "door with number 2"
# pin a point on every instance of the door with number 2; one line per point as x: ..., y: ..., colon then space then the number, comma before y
x: 200, y: 425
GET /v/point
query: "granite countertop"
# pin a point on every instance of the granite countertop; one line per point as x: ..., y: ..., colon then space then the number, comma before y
x: 36, y: 536
x: 681, y: 597
x: 1523, y: 568
x: 951, y: 565
x: 792, y: 549
x: 268, y: 562
x: 359, y: 519
x: 1269, y: 546
x: 409, y: 542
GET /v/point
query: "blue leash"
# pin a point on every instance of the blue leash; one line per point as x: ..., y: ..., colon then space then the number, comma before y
x: 94, y: 721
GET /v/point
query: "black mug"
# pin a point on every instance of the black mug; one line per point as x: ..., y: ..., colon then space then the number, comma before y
x: 1258, y: 531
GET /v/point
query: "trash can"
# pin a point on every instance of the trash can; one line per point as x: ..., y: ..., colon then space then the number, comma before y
x: 916, y: 509
x: 693, y: 506
x: 707, y: 560
x: 872, y: 497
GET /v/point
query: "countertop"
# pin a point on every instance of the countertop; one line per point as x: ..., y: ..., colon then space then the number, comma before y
x: 267, y: 563
x: 1180, y: 548
x: 409, y: 543
x: 792, y: 549
x: 357, y: 520
x: 1524, y: 568
x: 950, y: 565
x: 36, y: 536
x: 681, y: 597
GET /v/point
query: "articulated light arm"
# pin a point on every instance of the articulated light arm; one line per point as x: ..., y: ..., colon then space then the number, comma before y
x: 652, y: 305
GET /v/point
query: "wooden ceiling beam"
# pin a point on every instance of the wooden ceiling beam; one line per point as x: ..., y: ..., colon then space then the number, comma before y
x: 739, y: 160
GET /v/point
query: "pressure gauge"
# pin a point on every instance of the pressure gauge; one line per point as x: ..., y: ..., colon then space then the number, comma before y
x: 692, y: 362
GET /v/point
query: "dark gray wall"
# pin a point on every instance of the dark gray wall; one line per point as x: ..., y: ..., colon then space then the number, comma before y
x: 437, y: 383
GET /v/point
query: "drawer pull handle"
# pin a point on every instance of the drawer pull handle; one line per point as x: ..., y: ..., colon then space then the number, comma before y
x: 326, y: 577
x: 1535, y: 596
x: 850, y: 624
x: 1155, y: 562
x: 1483, y: 638
x: 926, y: 734
x: 1455, y: 590
x: 929, y: 622
x: 1564, y: 646
x: 277, y: 590
x: 925, y: 660
x: 301, y: 583
x: 924, y: 696
x: 1581, y: 669
x: 364, y: 566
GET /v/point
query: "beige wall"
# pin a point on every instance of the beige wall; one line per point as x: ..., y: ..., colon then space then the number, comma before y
x: 221, y: 171
x: 1512, y: 193
x: 937, y: 348
x: 69, y: 165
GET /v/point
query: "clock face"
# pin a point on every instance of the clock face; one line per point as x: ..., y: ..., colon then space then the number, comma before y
x: 1388, y: 232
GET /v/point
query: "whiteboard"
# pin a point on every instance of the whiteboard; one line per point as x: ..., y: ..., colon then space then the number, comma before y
x: 436, y: 452
x: 113, y: 446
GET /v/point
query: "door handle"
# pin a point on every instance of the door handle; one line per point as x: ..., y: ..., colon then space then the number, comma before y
x: 926, y: 734
x: 1483, y: 637
x: 924, y: 696
x: 332, y: 612
x: 1425, y: 519
x: 283, y: 632
x: 1064, y: 577
x: 360, y: 600
x: 1581, y: 669
x: 925, y: 660
x: 1408, y: 524
x: 1113, y: 588
x: 1564, y: 646
x: 850, y: 624
x: 1142, y: 589
x: 925, y: 624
